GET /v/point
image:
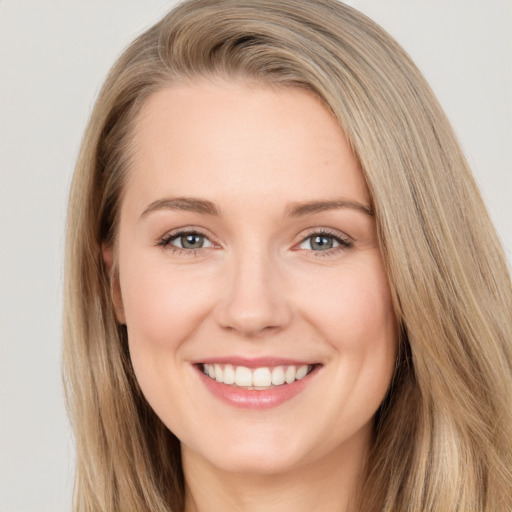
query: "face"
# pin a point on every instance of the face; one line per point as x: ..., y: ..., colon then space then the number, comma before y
x: 259, y: 317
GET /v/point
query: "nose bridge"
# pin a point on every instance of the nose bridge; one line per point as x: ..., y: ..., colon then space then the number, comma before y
x: 255, y: 300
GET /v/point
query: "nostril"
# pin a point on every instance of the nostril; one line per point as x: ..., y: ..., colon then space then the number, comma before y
x: 253, y: 318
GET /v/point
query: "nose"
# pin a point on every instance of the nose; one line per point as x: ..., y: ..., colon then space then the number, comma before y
x: 255, y: 300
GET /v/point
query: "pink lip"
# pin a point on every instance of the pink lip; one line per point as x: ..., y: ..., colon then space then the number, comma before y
x: 254, y: 398
x: 257, y: 362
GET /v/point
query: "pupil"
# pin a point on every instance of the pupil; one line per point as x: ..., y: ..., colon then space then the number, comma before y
x: 322, y: 242
x: 192, y: 241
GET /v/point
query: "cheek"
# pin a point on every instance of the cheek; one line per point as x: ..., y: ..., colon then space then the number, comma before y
x: 353, y: 307
x: 353, y: 312
x: 164, y: 306
x: 357, y: 319
x: 161, y: 306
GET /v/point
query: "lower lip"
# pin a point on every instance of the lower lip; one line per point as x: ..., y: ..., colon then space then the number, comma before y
x: 256, y: 398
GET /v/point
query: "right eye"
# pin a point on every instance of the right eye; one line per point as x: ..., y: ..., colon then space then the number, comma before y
x: 186, y: 240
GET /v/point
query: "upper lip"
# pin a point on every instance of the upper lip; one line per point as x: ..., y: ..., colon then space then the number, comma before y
x: 256, y: 362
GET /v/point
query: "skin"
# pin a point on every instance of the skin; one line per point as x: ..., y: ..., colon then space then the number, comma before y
x: 257, y: 288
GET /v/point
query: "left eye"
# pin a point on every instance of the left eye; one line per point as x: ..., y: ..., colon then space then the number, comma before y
x: 320, y: 242
x: 189, y: 241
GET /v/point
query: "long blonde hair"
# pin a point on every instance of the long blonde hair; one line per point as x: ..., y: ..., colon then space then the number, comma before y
x: 443, y: 436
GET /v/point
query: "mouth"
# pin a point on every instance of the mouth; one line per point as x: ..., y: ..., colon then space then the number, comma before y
x: 256, y: 384
x: 260, y: 378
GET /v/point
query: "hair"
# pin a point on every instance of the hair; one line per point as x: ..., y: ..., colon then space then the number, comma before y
x: 443, y: 435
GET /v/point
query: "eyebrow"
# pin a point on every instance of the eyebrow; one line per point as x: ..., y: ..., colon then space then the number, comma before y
x: 298, y: 209
x: 190, y: 204
x: 311, y: 207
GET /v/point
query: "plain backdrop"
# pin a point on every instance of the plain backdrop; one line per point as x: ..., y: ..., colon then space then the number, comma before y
x: 54, y: 55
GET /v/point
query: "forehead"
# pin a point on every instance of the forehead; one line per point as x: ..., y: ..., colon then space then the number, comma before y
x: 229, y: 140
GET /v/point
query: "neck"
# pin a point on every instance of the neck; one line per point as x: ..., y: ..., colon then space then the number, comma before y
x: 326, y: 485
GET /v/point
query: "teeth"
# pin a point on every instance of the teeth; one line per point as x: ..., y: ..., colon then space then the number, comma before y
x: 243, y: 376
x: 260, y: 378
x: 219, y: 373
x: 229, y: 374
x: 302, y: 371
x: 278, y: 376
x: 289, y: 374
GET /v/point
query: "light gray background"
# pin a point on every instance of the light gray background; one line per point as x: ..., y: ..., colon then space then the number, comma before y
x: 54, y: 55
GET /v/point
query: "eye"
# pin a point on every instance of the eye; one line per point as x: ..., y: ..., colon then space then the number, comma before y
x: 189, y: 240
x: 323, y: 242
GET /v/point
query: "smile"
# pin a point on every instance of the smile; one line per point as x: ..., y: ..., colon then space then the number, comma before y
x: 257, y: 378
x: 256, y: 384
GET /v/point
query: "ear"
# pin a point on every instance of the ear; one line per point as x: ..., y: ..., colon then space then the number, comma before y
x: 110, y: 260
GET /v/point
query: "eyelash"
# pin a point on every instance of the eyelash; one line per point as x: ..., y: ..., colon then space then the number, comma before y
x: 343, y: 241
x: 165, y: 242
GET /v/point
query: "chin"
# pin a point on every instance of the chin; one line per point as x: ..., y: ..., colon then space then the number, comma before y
x: 261, y: 455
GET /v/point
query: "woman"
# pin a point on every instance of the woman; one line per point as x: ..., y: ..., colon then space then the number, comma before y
x: 283, y: 290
